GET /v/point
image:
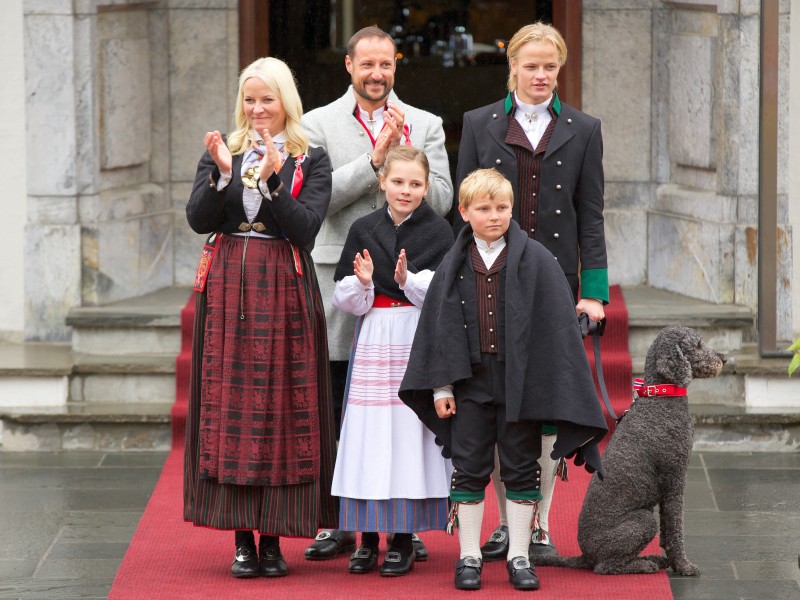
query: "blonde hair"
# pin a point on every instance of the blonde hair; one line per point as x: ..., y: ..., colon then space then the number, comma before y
x: 484, y: 182
x: 406, y: 153
x: 535, y: 32
x: 275, y: 74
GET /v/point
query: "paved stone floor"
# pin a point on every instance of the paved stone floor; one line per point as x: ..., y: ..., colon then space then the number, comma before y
x: 66, y: 520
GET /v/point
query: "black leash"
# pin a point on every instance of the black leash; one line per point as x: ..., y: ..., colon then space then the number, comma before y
x: 596, y: 330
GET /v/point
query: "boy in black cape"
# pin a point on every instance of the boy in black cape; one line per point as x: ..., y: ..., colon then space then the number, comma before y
x: 498, y: 335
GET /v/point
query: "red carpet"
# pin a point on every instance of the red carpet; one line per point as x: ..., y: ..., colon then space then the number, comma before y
x: 169, y: 558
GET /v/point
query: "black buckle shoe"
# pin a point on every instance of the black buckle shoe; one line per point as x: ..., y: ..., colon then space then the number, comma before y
x: 272, y: 563
x: 468, y: 573
x: 496, y: 547
x: 395, y: 563
x: 521, y: 574
x: 541, y: 544
x: 420, y: 551
x: 245, y: 562
x: 329, y: 543
x: 363, y: 560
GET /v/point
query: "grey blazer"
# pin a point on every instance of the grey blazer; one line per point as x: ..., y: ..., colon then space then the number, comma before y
x: 356, y: 191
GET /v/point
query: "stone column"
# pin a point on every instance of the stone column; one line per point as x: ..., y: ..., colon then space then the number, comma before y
x: 12, y: 152
x: 203, y: 52
x: 617, y: 89
x: 52, y: 233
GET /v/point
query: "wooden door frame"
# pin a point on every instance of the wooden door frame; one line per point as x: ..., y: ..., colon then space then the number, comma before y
x: 252, y: 45
x: 567, y: 18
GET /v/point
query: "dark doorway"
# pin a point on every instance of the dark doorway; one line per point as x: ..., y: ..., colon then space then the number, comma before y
x: 451, y: 54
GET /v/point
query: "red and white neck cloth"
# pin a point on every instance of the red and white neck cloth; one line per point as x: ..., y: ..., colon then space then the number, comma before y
x: 662, y: 389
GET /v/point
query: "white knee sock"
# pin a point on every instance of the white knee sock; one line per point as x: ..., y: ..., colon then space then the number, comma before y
x: 499, y: 489
x: 548, y: 477
x: 520, y: 517
x: 470, y: 517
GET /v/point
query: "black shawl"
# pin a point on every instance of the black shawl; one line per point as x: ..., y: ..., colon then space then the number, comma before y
x: 425, y: 236
x: 548, y: 377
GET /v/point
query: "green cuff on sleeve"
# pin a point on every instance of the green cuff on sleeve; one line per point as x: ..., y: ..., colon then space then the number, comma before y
x: 549, y: 429
x: 594, y: 284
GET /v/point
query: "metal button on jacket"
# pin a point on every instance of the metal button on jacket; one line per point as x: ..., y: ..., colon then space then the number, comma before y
x: 558, y: 187
x: 558, y: 211
x: 498, y: 161
x: 555, y: 235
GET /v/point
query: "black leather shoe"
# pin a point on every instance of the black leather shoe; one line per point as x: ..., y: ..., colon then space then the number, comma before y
x: 468, y: 573
x: 245, y: 562
x: 396, y: 563
x: 541, y: 545
x: 330, y: 543
x: 272, y: 563
x: 363, y: 560
x: 521, y: 574
x: 420, y: 551
x: 496, y: 547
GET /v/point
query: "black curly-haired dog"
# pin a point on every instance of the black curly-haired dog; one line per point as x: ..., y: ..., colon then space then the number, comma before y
x: 645, y: 466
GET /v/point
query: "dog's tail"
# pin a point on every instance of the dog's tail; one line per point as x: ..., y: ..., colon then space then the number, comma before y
x: 571, y: 562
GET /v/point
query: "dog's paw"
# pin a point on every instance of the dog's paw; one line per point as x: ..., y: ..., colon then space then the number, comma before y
x: 686, y: 569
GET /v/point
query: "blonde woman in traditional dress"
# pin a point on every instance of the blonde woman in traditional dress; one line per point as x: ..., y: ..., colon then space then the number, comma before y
x: 260, y: 439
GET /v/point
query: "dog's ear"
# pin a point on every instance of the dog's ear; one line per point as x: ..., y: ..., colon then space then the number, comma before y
x: 674, y: 367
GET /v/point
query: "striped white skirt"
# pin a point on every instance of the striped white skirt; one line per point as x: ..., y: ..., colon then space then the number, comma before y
x: 389, y: 474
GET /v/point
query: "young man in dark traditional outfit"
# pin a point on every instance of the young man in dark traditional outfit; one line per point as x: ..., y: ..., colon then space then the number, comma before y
x: 498, y: 340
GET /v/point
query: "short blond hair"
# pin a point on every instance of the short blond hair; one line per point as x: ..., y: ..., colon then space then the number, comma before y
x: 535, y: 32
x: 484, y: 182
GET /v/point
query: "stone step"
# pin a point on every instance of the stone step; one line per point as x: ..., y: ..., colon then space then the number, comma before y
x: 146, y: 324
x: 34, y: 374
x: 86, y: 426
x: 736, y: 429
x: 123, y: 378
x: 725, y: 327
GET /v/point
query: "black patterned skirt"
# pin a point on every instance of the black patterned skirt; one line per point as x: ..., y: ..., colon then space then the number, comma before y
x: 260, y: 437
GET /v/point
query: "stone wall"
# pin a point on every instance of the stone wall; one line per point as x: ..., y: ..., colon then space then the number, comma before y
x: 12, y: 154
x: 119, y: 94
x: 676, y: 85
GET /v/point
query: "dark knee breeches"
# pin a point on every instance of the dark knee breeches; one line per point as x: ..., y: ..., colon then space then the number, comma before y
x: 479, y: 424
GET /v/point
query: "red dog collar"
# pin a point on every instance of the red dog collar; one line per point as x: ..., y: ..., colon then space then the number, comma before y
x: 661, y: 389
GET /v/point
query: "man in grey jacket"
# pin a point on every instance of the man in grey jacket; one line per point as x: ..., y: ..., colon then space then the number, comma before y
x: 357, y: 130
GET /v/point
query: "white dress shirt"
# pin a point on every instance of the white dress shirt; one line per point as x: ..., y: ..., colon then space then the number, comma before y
x: 533, y: 118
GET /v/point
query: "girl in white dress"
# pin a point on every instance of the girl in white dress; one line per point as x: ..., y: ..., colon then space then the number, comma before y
x: 389, y: 474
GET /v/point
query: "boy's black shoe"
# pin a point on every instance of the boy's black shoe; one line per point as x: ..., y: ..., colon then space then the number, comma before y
x: 363, y: 560
x: 468, y: 573
x: 330, y: 543
x: 496, y: 547
x: 397, y: 563
x: 245, y: 561
x: 420, y: 551
x: 521, y: 574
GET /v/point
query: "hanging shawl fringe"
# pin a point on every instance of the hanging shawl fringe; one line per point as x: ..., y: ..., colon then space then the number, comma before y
x: 561, y: 469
